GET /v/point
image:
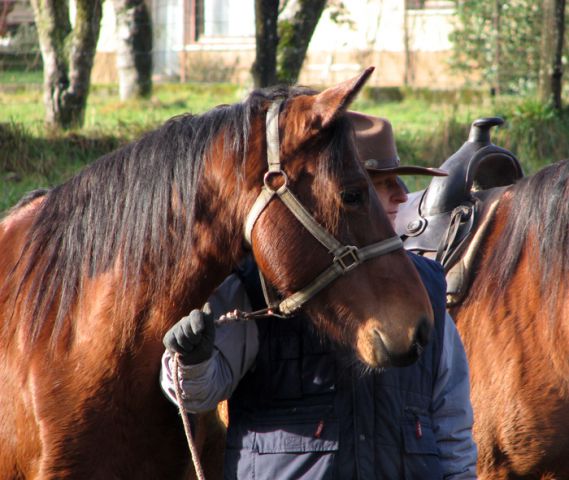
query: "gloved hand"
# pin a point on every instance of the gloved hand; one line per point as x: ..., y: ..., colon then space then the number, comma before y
x: 192, y: 337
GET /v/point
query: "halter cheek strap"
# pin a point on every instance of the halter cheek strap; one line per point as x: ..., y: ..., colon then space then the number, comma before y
x: 345, y: 257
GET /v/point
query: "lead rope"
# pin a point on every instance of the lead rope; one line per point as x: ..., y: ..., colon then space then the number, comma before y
x: 186, y: 421
x: 229, y: 317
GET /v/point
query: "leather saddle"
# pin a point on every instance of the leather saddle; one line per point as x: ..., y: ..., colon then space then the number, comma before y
x: 447, y: 220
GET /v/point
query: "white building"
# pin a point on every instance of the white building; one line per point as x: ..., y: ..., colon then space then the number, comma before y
x: 213, y: 40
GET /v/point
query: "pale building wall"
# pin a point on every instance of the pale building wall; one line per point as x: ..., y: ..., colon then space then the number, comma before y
x: 374, y: 35
x: 168, y: 29
x: 108, y: 29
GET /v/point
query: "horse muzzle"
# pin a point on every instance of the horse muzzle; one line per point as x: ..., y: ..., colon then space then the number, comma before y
x: 379, y: 350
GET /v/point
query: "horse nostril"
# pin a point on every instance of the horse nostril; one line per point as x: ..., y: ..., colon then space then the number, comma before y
x: 423, y: 333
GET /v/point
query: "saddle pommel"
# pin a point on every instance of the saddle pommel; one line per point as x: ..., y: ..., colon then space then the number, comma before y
x: 440, y: 220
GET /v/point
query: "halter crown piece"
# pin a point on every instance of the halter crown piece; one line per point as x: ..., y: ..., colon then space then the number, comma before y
x: 345, y: 257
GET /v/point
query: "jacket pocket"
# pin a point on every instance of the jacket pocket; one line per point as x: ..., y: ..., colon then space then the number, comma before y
x: 421, y: 454
x: 302, y: 437
x: 303, y: 450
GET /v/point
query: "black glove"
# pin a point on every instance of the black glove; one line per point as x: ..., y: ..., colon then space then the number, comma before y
x: 192, y: 337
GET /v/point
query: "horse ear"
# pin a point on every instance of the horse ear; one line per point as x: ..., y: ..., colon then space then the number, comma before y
x: 334, y: 101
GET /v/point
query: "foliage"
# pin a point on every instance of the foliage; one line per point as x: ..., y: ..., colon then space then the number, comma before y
x: 340, y: 14
x: 536, y: 133
x: 499, y: 41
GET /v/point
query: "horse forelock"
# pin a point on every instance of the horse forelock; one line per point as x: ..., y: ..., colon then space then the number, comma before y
x: 537, y: 223
x: 329, y: 172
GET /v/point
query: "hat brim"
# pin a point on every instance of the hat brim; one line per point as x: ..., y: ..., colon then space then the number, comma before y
x: 408, y: 170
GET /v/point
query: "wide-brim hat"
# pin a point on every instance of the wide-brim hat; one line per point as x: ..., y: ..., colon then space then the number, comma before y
x: 377, y: 150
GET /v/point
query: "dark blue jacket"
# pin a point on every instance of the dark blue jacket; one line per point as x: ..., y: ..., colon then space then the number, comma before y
x: 308, y: 410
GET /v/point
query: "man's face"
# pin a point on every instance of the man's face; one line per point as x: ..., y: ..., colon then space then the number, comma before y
x: 390, y: 193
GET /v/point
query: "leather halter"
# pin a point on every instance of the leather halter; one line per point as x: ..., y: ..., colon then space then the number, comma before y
x: 345, y: 257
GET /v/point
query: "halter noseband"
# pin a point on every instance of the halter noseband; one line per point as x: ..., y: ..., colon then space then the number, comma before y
x: 345, y: 257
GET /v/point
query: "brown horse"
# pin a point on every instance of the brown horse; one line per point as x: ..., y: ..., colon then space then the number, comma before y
x: 94, y: 272
x: 514, y: 323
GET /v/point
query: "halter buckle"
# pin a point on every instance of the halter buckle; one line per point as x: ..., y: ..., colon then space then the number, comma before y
x: 347, y: 259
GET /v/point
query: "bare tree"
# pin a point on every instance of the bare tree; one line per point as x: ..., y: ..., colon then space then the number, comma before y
x: 497, y: 22
x: 551, y: 71
x: 68, y: 55
x: 295, y: 32
x: 409, y: 72
x: 134, y: 48
x: 282, y: 41
x: 266, y: 41
x: 6, y: 7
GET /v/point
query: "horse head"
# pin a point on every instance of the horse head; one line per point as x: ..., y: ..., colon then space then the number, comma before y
x: 379, y: 306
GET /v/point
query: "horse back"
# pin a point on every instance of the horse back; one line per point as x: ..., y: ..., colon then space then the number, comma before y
x: 517, y: 353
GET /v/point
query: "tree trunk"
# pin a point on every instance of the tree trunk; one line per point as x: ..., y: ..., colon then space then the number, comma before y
x: 295, y: 33
x: 551, y: 71
x: 409, y: 72
x: 266, y: 40
x: 67, y: 57
x: 496, y: 90
x: 557, y: 74
x: 134, y: 48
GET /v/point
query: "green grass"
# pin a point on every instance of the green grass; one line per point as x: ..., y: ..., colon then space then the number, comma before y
x: 106, y: 112
x: 21, y: 77
x: 428, y: 127
x: 32, y: 158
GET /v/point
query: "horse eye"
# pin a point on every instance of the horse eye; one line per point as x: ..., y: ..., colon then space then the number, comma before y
x: 352, y: 197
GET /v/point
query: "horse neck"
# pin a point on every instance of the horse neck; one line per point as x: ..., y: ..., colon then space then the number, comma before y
x: 216, y: 247
x: 521, y: 311
x: 223, y: 200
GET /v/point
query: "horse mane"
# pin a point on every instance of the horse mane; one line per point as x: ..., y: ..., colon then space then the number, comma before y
x: 28, y: 198
x: 538, y: 219
x: 133, y: 207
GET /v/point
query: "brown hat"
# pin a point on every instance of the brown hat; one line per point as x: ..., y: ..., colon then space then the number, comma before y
x: 377, y: 150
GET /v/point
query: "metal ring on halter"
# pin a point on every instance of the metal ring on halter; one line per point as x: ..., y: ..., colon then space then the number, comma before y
x: 267, y: 175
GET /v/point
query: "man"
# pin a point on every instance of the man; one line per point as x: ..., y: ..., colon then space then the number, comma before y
x: 377, y: 149
x: 299, y: 406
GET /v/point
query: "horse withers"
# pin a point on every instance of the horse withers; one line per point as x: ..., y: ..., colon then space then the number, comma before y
x: 95, y: 271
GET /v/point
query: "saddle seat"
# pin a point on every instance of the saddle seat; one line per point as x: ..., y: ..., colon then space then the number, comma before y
x: 443, y: 221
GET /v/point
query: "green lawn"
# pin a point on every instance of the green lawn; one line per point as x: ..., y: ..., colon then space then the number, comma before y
x: 21, y: 77
x: 428, y: 128
x: 106, y: 112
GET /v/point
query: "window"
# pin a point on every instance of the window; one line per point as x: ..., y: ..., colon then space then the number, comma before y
x: 224, y: 18
x: 428, y: 4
